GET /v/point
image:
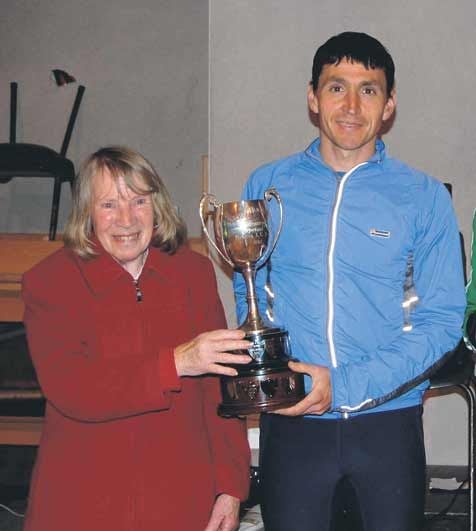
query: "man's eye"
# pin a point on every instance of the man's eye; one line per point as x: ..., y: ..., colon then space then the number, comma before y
x: 369, y: 90
x: 336, y: 88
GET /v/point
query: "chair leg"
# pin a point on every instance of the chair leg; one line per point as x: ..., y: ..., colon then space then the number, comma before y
x: 470, y: 392
x: 55, y: 207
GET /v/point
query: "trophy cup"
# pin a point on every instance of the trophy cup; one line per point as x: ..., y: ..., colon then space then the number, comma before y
x: 242, y: 238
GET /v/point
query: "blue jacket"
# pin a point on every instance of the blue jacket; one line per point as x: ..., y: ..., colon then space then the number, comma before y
x: 353, y: 250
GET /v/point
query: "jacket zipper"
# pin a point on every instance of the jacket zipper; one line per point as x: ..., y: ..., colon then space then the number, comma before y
x: 135, y: 279
x: 139, y: 295
x: 330, y: 263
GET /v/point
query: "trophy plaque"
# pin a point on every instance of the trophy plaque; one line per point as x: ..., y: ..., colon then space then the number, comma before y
x: 245, y: 237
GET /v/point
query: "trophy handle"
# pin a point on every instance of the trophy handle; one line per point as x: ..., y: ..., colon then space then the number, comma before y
x: 268, y: 195
x: 211, y: 199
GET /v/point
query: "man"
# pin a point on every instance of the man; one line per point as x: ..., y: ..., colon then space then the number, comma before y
x: 367, y: 278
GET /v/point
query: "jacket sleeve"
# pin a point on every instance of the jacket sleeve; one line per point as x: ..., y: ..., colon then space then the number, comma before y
x: 228, y: 439
x: 436, y: 320
x: 470, y: 316
x: 74, y: 376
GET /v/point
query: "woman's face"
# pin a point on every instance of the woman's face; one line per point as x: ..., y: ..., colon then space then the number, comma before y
x: 122, y: 220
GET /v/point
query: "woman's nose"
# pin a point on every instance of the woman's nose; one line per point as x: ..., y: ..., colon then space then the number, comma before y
x: 125, y: 217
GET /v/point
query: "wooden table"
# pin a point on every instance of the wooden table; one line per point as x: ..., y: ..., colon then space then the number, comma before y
x: 18, y: 253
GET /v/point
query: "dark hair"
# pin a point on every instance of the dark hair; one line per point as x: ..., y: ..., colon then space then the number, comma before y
x: 355, y: 47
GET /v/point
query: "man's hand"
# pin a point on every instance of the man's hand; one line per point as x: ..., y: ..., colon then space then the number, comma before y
x: 206, y: 352
x: 319, y: 399
x: 225, y: 514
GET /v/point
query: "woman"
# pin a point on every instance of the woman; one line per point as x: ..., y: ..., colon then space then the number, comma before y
x: 119, y: 322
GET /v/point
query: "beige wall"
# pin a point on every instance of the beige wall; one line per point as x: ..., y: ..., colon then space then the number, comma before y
x: 260, y: 62
x: 145, y: 68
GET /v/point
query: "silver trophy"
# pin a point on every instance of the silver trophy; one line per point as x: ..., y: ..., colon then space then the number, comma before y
x: 245, y: 238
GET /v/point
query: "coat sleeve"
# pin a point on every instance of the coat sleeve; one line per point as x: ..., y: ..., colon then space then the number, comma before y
x: 227, y: 436
x: 470, y: 316
x: 75, y: 378
x: 436, y: 320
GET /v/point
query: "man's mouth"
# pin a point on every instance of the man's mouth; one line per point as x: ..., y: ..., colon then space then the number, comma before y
x: 350, y: 125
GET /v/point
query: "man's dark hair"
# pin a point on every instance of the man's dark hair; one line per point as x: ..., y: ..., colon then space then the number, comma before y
x: 356, y: 48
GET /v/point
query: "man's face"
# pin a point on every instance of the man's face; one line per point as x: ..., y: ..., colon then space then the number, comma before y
x: 352, y: 103
x: 122, y: 220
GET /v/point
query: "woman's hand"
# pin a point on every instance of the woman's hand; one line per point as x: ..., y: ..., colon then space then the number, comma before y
x: 225, y: 514
x: 205, y: 353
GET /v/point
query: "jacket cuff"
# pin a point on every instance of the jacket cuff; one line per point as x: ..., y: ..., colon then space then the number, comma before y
x: 170, y: 380
x: 238, y: 488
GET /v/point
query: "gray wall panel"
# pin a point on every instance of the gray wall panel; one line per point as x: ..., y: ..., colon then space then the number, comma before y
x: 145, y: 68
x: 260, y: 62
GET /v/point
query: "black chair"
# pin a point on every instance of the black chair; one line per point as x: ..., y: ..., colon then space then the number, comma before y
x: 458, y: 372
x: 33, y: 160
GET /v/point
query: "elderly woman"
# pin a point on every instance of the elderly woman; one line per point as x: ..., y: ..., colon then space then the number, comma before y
x: 120, y: 322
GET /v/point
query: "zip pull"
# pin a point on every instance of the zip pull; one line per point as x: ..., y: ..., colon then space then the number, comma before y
x: 138, y: 290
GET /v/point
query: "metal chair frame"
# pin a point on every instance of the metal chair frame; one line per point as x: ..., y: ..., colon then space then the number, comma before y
x: 458, y: 372
x: 32, y: 160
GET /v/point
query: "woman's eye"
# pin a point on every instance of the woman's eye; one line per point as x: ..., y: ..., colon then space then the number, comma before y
x: 107, y: 205
x: 140, y: 201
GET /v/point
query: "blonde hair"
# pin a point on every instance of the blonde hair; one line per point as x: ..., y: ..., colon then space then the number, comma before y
x: 140, y: 177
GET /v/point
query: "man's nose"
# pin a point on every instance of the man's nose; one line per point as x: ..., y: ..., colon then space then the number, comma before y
x: 352, y: 101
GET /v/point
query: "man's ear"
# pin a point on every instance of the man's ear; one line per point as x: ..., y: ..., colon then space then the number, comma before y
x: 390, y: 105
x: 312, y: 99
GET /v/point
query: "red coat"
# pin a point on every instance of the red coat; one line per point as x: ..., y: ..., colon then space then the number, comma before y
x: 127, y: 445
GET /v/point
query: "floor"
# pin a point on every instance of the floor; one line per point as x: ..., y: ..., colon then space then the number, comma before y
x: 9, y: 522
x: 16, y: 464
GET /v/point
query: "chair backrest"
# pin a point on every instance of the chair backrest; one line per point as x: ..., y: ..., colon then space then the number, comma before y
x: 72, y: 120
x: 449, y: 187
x: 69, y: 127
x: 13, y: 111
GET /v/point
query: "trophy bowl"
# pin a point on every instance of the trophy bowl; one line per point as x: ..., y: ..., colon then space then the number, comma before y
x: 245, y: 239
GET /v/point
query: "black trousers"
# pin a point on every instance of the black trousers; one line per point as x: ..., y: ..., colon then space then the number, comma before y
x: 381, y: 454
